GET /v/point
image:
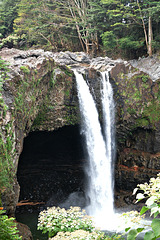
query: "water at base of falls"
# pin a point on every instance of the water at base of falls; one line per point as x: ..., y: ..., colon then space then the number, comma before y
x: 99, y: 148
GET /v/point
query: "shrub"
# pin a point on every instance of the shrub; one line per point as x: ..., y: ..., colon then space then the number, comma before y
x: 61, y: 224
x: 8, y: 229
x: 84, y: 235
x: 151, y: 192
x: 78, y: 235
x: 12, y: 40
x: 54, y: 220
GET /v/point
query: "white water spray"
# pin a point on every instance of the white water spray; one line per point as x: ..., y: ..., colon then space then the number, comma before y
x: 109, y: 123
x: 100, y: 189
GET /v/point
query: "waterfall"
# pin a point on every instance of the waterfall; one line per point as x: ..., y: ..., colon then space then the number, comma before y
x: 99, y: 148
x: 109, y: 131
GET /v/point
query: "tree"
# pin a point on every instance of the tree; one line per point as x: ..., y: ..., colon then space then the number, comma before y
x: 8, y: 12
x: 88, y: 16
x: 131, y: 16
x: 47, y: 23
x: 97, y: 19
x: 78, y: 10
x: 147, y: 11
x: 55, y: 23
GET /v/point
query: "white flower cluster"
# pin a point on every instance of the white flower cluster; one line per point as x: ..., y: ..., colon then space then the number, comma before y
x: 78, y: 235
x: 55, y: 220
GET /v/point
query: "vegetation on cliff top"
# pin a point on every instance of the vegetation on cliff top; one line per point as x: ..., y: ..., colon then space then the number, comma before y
x: 122, y: 27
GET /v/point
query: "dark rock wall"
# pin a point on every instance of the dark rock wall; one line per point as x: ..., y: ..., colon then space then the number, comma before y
x: 60, y: 105
x: 37, y: 93
x: 138, y: 126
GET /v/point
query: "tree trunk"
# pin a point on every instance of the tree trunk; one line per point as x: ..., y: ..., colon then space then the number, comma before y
x: 87, y: 41
x: 150, y: 36
x: 143, y: 23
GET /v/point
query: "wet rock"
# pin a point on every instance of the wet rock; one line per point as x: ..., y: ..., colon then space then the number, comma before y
x: 24, y: 231
x: 149, y: 65
x: 134, y: 167
x: 137, y: 125
x: 69, y: 58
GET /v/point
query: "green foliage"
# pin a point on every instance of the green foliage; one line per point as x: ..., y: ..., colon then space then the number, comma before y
x: 41, y: 117
x: 71, y: 116
x: 130, y: 21
x: 8, y: 229
x: 54, y: 220
x: 52, y: 79
x: 69, y: 224
x: 151, y: 192
x: 28, y: 84
x: 81, y: 25
x: 109, y: 40
x: 6, y: 137
x: 83, y: 235
x: 129, y: 43
x: 46, y: 23
x: 142, y: 122
x: 77, y: 235
x: 152, y: 111
x: 11, y: 41
x: 25, y: 69
x: 8, y: 12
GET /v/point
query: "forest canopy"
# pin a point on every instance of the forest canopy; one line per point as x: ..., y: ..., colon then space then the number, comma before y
x: 126, y: 28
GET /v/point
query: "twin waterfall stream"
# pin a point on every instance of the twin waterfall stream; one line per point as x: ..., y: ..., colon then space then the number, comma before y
x: 100, y: 149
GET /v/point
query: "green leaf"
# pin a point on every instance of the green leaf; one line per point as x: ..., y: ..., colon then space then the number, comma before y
x: 127, y: 229
x: 132, y: 234
x: 156, y: 214
x: 140, y: 230
x: 154, y: 210
x: 156, y: 226
x: 143, y: 210
x: 149, y: 235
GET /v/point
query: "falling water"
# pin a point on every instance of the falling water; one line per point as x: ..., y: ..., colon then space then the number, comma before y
x: 100, y: 189
x: 109, y: 133
x: 100, y: 157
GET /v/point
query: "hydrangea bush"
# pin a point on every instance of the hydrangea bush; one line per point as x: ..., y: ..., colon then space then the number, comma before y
x: 61, y: 224
x: 54, y: 220
x: 78, y: 235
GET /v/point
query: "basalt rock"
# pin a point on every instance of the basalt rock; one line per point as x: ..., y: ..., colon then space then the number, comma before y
x: 24, y: 231
x: 40, y: 94
x: 137, y: 125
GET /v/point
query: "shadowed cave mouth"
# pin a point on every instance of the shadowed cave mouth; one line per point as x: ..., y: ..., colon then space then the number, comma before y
x: 51, y: 168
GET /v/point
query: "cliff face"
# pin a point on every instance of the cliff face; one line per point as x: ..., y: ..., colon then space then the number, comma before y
x: 40, y: 94
x: 138, y: 125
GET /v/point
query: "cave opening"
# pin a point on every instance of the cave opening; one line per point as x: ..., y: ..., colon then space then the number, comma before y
x: 51, y: 168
